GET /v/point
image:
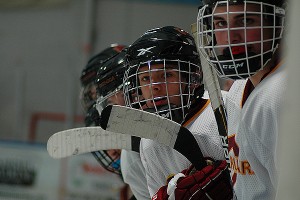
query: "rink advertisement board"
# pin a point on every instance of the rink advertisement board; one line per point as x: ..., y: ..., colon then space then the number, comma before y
x: 27, y: 172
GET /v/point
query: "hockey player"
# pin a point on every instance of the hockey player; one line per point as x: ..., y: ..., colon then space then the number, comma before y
x: 241, y: 39
x: 164, y: 77
x: 88, y: 96
x: 109, y: 91
x: 102, y: 78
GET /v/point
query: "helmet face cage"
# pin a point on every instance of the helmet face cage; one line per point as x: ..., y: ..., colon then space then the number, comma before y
x: 109, y: 91
x: 110, y: 163
x: 103, y: 101
x: 107, y: 162
x: 243, y: 57
x: 189, y: 77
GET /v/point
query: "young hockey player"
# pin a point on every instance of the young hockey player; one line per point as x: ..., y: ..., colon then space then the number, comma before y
x: 109, y: 91
x: 241, y: 39
x: 88, y: 97
x: 164, y: 77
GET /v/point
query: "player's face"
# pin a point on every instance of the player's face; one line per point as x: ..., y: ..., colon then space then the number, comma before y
x: 230, y: 28
x: 158, y: 82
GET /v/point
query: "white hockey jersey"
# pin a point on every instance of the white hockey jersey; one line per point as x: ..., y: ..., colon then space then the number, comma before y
x: 133, y: 174
x: 253, y: 135
x: 161, y: 162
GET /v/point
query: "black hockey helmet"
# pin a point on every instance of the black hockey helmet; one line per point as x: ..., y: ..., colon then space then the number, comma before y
x: 109, y: 82
x: 167, y: 45
x: 88, y: 75
x: 237, y: 60
x: 109, y: 79
x: 168, y: 42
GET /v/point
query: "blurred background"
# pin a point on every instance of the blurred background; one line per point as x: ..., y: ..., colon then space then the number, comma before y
x: 45, y: 44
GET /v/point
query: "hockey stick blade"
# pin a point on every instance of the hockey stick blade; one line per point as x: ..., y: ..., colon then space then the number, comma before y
x: 88, y: 139
x: 121, y: 119
x: 213, y: 87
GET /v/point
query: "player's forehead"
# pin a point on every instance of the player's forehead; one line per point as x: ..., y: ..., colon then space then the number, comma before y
x: 225, y: 9
x: 157, y: 67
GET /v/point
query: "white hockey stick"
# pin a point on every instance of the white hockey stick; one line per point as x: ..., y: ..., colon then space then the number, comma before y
x: 212, y: 85
x: 88, y: 139
x: 124, y: 129
x: 121, y: 119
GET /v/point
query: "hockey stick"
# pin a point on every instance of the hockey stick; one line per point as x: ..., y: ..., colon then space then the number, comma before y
x: 88, y: 139
x: 144, y: 124
x: 124, y: 129
x: 212, y: 85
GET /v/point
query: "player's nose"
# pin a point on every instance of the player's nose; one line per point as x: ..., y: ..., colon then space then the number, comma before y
x: 156, y: 86
x: 234, y: 34
x: 157, y: 83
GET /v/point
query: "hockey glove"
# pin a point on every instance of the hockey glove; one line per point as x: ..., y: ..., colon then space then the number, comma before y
x: 210, y: 183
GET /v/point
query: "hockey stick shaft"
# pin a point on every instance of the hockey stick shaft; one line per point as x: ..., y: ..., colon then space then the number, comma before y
x: 212, y: 85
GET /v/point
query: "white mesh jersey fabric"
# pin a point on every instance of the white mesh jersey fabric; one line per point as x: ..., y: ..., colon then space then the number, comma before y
x: 133, y: 173
x: 253, y: 134
x: 161, y: 162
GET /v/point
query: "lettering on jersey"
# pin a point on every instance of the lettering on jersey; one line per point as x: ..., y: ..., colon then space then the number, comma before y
x: 143, y: 51
x: 237, y: 65
x: 237, y: 166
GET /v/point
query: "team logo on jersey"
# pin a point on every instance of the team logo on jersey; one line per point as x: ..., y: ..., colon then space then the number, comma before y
x: 237, y: 166
x: 143, y: 51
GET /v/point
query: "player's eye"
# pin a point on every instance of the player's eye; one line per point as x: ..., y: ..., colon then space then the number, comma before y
x: 144, y: 78
x: 247, y: 21
x: 220, y: 24
x: 169, y: 74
